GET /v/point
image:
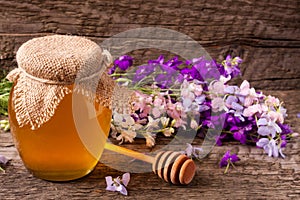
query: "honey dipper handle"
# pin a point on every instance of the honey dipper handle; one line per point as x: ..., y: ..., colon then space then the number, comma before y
x: 128, y: 152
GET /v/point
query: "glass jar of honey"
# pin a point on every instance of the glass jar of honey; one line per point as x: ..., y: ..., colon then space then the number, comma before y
x: 59, y: 131
x: 55, y: 151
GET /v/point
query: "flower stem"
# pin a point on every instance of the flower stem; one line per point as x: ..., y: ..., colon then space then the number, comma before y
x: 227, y: 167
x: 2, y: 170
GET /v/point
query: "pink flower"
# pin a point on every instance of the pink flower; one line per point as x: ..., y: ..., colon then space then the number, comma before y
x: 249, y: 93
x: 174, y: 110
x: 145, y: 112
x: 272, y: 101
x: 251, y: 110
x: 159, y: 106
x: 256, y: 108
x: 276, y: 116
x: 141, y: 101
x: 180, y: 123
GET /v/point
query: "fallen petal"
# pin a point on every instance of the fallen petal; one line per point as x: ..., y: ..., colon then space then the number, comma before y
x: 3, y: 160
x: 126, y: 178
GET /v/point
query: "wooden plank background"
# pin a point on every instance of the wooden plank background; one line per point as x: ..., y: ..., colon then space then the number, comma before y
x: 265, y: 34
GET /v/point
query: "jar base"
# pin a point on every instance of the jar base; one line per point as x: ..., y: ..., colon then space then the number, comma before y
x: 60, y: 176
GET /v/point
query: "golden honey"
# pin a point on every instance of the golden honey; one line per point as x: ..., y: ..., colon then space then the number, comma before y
x: 56, y: 151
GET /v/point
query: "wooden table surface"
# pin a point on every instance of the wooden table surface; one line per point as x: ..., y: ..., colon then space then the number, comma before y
x: 265, y: 34
x: 256, y: 176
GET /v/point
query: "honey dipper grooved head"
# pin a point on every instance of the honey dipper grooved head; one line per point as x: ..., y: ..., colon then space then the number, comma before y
x: 174, y: 167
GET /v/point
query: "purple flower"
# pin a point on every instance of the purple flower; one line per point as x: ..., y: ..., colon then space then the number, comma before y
x: 163, y: 80
x: 231, y: 66
x: 167, y: 76
x: 270, y: 147
x: 298, y: 115
x: 172, y: 63
x: 213, y: 121
x: 232, y: 120
x: 285, y: 128
x: 118, y: 184
x: 124, y: 62
x: 112, y: 70
x: 220, y: 138
x: 193, y: 61
x: 142, y: 72
x: 207, y: 69
x: 228, y: 159
x: 191, y: 74
x: 201, y: 69
x: 240, y: 136
x: 159, y: 61
x: 283, y: 141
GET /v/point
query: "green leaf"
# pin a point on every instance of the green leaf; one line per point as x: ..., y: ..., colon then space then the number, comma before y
x: 5, y: 87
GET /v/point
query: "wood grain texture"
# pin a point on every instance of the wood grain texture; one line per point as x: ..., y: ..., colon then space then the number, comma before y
x: 266, y: 34
x: 256, y: 176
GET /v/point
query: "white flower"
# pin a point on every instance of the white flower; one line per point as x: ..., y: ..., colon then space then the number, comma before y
x: 217, y: 104
x: 192, y: 152
x: 165, y: 121
x: 270, y: 147
x: 187, y: 90
x: 224, y: 80
x: 216, y: 87
x: 125, y: 126
x: 118, y: 184
x: 194, y: 124
x: 126, y: 135
x: 150, y: 140
x: 152, y: 124
x: 198, y: 89
x: 168, y: 131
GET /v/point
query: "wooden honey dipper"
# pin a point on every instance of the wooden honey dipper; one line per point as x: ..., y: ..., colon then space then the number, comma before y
x: 173, y: 167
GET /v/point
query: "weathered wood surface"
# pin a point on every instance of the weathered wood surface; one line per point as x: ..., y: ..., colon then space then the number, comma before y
x: 266, y: 34
x: 256, y: 176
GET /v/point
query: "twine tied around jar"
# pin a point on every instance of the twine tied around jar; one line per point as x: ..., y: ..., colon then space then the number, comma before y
x: 49, y: 66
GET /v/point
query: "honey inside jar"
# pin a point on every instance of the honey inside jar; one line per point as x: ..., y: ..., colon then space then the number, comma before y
x: 56, y: 151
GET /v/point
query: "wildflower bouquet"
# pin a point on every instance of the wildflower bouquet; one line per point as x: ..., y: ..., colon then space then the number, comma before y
x: 175, y: 94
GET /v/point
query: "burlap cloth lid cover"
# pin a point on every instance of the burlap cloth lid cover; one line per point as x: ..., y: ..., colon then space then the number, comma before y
x: 48, y: 65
